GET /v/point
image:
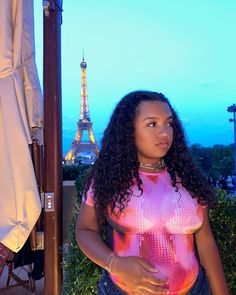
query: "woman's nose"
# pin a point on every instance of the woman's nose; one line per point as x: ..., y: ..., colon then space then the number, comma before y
x: 164, y: 130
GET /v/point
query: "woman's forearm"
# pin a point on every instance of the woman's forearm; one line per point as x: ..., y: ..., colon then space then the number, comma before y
x: 92, y: 245
x: 210, y: 260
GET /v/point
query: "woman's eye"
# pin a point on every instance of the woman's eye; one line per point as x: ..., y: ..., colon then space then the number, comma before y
x: 155, y: 124
x: 152, y: 124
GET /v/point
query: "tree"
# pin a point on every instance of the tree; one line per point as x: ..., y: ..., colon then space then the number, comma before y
x: 213, y: 161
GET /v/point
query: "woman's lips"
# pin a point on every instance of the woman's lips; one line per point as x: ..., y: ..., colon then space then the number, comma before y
x: 163, y: 145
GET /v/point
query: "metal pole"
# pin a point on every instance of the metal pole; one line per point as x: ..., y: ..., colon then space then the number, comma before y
x: 52, y: 148
x: 234, y: 140
x: 232, y: 109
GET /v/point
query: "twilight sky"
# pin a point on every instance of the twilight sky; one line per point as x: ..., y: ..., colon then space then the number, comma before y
x: 185, y: 49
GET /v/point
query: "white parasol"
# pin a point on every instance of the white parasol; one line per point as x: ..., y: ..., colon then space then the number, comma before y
x: 20, y: 115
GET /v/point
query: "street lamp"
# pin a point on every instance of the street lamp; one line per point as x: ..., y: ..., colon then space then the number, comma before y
x: 232, y: 109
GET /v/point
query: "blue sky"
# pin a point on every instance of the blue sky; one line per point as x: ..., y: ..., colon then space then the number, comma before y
x: 185, y: 49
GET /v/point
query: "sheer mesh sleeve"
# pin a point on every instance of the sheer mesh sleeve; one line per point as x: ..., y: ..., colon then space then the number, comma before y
x: 88, y: 198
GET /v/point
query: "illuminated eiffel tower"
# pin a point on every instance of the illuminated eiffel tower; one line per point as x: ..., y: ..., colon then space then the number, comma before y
x: 84, y: 124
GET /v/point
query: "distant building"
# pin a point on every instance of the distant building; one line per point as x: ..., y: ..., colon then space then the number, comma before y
x: 83, y: 152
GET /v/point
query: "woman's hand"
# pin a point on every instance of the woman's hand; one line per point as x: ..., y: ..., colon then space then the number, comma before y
x: 140, y: 277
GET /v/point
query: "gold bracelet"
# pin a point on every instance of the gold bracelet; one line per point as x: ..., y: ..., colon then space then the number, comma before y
x: 109, y: 261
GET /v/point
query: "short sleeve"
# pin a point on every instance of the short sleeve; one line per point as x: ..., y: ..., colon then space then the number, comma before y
x: 89, y: 200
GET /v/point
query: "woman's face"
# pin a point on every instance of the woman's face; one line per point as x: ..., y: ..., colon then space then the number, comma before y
x: 153, y: 131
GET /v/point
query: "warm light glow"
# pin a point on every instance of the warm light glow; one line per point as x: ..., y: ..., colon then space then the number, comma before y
x: 69, y: 155
x: 84, y: 110
x: 78, y: 136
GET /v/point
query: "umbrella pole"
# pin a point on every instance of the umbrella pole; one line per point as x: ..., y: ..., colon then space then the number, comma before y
x: 52, y: 150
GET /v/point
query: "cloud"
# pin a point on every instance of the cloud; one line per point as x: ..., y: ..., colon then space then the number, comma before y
x: 211, y: 84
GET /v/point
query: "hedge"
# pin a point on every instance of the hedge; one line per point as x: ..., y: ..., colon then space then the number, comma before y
x: 81, y: 275
x: 223, y: 224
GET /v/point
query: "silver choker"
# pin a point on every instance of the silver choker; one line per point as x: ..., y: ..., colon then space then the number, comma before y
x: 154, y: 166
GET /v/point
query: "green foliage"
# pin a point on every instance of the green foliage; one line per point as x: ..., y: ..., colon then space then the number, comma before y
x: 71, y: 172
x: 213, y: 161
x: 202, y: 157
x: 223, y: 162
x: 80, y: 179
x: 223, y: 224
x: 80, y: 274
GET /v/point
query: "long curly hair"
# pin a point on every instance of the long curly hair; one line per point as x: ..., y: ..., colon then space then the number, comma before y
x: 117, y: 165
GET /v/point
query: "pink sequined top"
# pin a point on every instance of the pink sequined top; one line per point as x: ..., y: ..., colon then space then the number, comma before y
x: 158, y: 226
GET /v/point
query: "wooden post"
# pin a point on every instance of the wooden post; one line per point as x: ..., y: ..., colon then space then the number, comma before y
x: 52, y: 150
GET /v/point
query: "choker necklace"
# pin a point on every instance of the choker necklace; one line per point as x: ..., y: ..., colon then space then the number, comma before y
x: 156, y: 167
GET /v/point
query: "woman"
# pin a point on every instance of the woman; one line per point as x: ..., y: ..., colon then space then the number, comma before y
x: 146, y: 190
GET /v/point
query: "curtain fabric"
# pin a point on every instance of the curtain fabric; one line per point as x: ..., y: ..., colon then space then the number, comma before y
x: 20, y: 115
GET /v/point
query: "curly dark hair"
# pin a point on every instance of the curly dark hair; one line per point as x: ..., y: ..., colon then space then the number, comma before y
x: 117, y: 165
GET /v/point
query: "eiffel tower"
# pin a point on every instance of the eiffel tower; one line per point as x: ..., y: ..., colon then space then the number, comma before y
x: 84, y: 124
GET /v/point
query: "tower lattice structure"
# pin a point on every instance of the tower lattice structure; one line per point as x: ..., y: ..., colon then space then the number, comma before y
x: 84, y: 124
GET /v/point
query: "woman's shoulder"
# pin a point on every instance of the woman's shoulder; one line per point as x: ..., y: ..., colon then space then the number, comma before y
x: 87, y: 197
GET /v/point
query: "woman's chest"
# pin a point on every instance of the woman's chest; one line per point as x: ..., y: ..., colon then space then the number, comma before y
x: 160, y: 208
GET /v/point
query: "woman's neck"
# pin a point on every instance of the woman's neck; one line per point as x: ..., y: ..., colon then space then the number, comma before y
x: 152, y: 167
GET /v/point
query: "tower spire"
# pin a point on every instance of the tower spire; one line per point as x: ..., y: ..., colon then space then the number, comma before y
x: 84, y: 109
x: 84, y: 122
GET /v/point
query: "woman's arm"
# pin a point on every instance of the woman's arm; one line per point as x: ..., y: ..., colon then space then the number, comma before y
x: 88, y: 237
x: 139, y: 276
x: 210, y: 258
